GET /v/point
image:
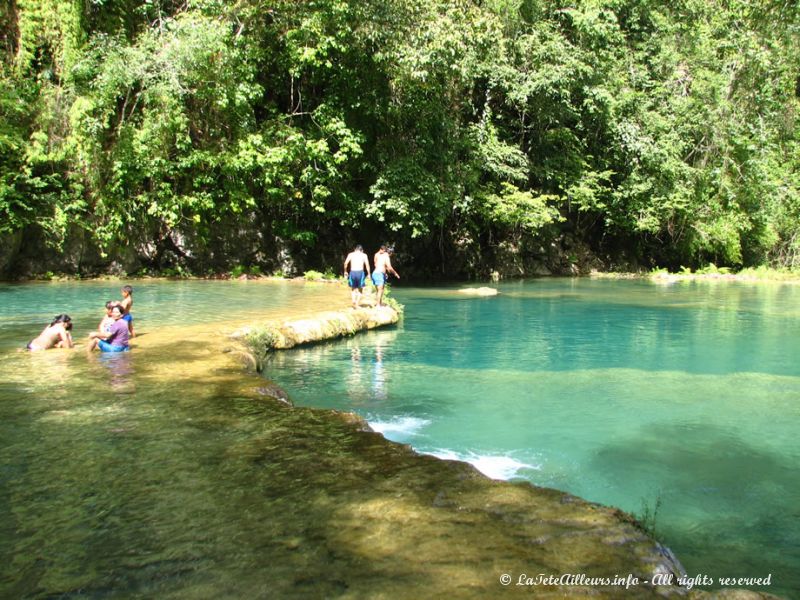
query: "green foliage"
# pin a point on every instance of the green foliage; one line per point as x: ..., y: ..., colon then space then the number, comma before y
x: 240, y: 270
x: 667, y: 127
x: 648, y: 517
x: 177, y: 272
x: 313, y: 275
x: 523, y: 210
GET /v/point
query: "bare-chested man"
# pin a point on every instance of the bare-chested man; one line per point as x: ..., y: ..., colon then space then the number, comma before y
x: 55, y: 335
x: 359, y: 271
x: 383, y: 266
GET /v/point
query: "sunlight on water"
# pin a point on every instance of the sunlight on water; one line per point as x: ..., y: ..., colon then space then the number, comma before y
x: 26, y: 308
x: 168, y: 472
x: 624, y: 393
x: 684, y: 397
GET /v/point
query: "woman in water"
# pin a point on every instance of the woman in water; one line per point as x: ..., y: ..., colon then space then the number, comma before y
x: 55, y: 335
x: 115, y: 339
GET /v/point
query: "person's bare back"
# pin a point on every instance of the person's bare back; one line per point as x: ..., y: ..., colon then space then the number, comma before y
x: 55, y: 335
x: 358, y: 263
x: 357, y: 260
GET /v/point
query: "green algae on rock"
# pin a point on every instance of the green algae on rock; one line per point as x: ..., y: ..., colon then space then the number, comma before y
x: 329, y: 325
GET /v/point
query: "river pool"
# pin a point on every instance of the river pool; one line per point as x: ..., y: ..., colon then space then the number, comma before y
x: 146, y: 473
x: 678, y: 402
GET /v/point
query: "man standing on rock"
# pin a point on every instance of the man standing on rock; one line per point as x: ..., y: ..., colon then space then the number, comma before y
x: 359, y: 271
x: 383, y: 266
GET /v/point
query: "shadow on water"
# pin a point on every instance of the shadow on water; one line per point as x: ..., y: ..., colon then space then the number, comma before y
x: 696, y: 466
x: 161, y: 473
x: 240, y: 497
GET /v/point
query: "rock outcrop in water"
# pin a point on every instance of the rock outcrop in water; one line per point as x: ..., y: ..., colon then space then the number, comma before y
x: 480, y: 291
x: 329, y: 325
x: 404, y: 525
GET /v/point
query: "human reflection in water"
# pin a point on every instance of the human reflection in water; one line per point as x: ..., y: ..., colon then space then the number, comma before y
x: 368, y: 378
x: 120, y: 366
x: 354, y: 382
x: 378, y: 374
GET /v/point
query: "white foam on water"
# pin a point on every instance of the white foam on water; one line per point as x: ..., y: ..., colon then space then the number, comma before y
x: 399, y: 426
x: 494, y: 466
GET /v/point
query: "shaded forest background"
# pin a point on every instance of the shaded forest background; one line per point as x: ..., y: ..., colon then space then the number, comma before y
x: 518, y: 136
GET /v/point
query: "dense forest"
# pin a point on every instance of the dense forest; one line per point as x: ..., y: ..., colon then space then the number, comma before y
x: 522, y: 136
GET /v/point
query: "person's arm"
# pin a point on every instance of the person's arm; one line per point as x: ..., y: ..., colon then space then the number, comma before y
x: 366, y: 263
x: 346, y: 262
x: 390, y: 268
x: 66, y: 339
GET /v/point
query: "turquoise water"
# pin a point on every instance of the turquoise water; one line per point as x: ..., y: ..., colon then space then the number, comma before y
x: 677, y: 402
x: 151, y: 474
x: 26, y: 308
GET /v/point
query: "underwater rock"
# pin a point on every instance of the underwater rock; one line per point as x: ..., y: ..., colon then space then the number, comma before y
x: 481, y: 291
x: 274, y: 391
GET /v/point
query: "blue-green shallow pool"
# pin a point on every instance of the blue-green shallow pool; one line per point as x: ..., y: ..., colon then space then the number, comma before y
x: 680, y: 400
x: 26, y: 308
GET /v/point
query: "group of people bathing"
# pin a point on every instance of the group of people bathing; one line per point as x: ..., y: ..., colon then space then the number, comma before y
x: 116, y: 328
x: 112, y: 335
x: 358, y: 263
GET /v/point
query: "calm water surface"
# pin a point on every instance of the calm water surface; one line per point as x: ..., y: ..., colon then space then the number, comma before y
x: 678, y: 400
x: 682, y: 399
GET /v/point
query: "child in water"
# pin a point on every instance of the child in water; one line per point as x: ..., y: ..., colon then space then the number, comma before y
x: 116, y: 338
x: 108, y: 320
x: 126, y: 304
x: 55, y: 335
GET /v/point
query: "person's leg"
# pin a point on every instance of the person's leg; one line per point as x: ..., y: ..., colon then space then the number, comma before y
x: 380, y: 295
x: 128, y: 318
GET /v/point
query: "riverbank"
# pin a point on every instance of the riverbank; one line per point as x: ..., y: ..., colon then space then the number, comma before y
x: 759, y: 275
x: 710, y: 273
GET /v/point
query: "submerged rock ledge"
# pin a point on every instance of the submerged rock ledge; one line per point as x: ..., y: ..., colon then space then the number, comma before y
x: 280, y: 335
x: 406, y: 525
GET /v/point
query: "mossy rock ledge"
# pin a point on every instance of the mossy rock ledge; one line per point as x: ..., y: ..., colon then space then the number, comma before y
x: 262, y: 339
x: 420, y: 518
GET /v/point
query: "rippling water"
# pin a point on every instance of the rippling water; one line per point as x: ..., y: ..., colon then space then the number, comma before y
x: 26, y: 308
x: 680, y: 401
x: 159, y: 474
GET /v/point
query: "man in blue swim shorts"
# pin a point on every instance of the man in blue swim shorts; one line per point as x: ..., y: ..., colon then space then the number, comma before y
x: 383, y: 266
x: 358, y: 262
x: 116, y: 338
